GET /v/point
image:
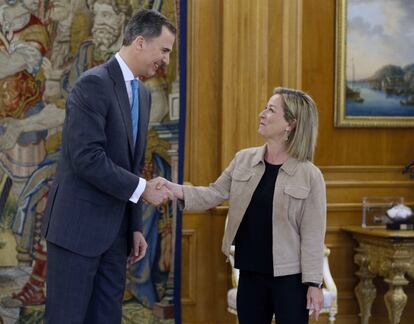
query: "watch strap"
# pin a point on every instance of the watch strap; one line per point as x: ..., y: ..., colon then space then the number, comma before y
x: 313, y: 284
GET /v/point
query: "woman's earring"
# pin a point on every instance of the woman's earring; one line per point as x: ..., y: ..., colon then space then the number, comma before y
x: 286, y: 135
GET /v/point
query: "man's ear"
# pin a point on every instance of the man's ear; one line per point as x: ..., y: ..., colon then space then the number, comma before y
x: 139, y: 42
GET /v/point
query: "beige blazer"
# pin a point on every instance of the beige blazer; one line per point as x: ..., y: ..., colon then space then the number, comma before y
x: 299, y: 209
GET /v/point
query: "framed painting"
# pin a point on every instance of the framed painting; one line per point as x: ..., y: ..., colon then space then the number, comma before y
x: 374, y: 68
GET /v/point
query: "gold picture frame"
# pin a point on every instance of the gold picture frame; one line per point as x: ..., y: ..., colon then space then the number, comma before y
x: 347, y: 99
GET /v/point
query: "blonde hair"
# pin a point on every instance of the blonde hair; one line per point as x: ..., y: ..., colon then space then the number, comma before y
x: 300, y: 110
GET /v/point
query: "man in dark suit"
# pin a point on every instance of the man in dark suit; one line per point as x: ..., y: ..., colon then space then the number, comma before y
x: 93, y: 213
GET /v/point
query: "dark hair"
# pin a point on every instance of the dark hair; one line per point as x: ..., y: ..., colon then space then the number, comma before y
x: 146, y: 23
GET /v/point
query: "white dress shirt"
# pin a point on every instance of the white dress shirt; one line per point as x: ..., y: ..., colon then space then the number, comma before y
x: 128, y: 77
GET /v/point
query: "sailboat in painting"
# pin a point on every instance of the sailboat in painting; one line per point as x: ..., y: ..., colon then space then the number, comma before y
x: 353, y: 93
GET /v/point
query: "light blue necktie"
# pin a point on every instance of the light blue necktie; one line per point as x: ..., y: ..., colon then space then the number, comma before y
x: 134, y: 109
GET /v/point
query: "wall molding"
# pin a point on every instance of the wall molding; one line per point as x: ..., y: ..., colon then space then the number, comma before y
x: 369, y: 183
x: 292, y: 12
x: 190, y: 235
x: 361, y: 168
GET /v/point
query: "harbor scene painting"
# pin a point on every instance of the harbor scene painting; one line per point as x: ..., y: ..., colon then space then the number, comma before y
x: 375, y: 63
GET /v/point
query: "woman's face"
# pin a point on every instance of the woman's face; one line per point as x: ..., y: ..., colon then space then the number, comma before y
x: 273, y: 124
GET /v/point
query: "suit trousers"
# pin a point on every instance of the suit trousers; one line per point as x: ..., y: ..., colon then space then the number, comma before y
x: 260, y: 296
x: 86, y: 290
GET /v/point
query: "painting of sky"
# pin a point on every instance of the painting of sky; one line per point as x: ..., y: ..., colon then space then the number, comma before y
x: 379, y: 32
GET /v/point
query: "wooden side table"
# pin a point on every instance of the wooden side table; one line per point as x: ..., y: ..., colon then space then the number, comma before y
x: 384, y: 253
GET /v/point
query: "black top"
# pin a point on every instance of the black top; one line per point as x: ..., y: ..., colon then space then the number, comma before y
x: 254, y: 237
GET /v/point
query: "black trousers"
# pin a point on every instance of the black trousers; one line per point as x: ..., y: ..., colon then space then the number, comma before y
x: 260, y: 296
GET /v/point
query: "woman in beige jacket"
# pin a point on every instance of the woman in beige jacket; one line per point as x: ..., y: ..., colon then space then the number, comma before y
x: 277, y: 214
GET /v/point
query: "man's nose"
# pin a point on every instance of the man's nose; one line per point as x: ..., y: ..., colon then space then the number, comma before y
x: 166, y: 59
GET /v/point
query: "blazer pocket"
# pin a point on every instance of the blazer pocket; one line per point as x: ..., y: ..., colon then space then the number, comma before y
x: 296, y: 196
x: 239, y: 183
x: 297, y: 192
x: 241, y: 175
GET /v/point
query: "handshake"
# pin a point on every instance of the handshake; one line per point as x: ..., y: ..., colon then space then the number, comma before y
x: 159, y: 190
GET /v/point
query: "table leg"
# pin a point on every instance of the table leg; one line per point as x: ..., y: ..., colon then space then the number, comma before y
x: 365, y: 291
x: 395, y: 298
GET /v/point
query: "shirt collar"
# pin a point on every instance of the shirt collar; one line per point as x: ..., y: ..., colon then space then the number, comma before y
x: 126, y: 71
x: 289, y: 166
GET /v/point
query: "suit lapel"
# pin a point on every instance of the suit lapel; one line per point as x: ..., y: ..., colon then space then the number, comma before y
x: 122, y: 97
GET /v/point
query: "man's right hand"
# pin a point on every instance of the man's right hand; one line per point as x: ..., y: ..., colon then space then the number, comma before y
x: 156, y: 193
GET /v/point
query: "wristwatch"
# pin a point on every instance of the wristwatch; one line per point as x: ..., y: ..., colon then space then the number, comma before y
x: 313, y: 284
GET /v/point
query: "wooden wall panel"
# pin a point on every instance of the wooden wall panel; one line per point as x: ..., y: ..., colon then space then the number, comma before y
x: 205, y: 272
x: 292, y: 43
x: 238, y: 51
x: 189, y: 266
x: 245, y: 73
x: 204, y: 68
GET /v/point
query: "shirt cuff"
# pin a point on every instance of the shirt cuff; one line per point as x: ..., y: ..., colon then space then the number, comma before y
x: 138, y: 191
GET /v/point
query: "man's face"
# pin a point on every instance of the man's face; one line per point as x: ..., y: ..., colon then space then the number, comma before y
x: 106, y: 26
x: 154, y: 53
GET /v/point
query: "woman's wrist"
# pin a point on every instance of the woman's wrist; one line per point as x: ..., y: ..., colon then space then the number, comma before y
x: 178, y: 191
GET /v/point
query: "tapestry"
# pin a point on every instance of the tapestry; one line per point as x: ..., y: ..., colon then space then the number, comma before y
x: 45, y: 45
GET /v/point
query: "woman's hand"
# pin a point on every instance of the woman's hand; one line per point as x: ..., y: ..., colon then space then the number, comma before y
x: 176, y: 189
x: 314, y: 302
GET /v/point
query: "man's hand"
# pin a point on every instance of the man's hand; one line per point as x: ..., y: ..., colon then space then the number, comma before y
x: 139, y: 249
x: 156, y: 193
x: 314, y: 302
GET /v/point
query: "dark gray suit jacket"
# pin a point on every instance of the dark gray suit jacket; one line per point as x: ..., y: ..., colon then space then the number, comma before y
x: 99, y: 167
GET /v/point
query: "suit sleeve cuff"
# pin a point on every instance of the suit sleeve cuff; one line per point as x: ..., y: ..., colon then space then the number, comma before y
x: 138, y: 191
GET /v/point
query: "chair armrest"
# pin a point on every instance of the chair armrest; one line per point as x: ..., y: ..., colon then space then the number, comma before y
x: 327, y: 276
x: 234, y: 272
